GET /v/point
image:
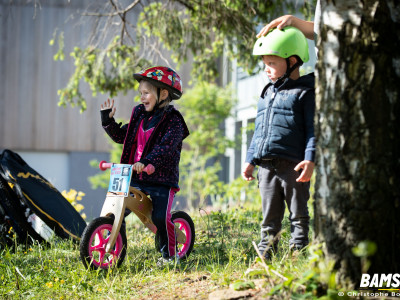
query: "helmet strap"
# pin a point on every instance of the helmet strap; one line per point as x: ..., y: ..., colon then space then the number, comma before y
x: 158, y: 102
x: 289, y: 69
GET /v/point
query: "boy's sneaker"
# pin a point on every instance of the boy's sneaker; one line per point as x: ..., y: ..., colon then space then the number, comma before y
x: 170, y: 261
x: 268, y: 256
x: 269, y: 252
x: 297, y: 250
x: 297, y: 247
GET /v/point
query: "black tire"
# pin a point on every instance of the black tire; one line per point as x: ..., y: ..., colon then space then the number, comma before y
x: 15, y: 212
x: 185, y: 220
x: 101, y: 225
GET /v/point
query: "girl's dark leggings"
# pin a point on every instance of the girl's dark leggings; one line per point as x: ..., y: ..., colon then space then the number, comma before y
x: 162, y: 197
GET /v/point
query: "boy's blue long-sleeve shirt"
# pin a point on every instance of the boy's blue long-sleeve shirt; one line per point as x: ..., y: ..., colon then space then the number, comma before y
x: 284, y: 125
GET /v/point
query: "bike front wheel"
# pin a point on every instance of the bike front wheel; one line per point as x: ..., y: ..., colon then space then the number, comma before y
x: 94, y: 241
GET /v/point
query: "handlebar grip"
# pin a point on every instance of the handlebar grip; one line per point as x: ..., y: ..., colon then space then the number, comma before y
x: 149, y: 169
x: 104, y: 165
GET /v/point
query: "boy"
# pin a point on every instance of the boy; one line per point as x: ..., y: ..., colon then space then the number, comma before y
x: 283, y: 142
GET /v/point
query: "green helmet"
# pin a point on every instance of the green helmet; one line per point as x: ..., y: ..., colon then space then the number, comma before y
x: 284, y: 43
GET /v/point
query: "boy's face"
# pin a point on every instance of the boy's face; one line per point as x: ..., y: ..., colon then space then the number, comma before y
x: 148, y: 95
x: 275, y: 66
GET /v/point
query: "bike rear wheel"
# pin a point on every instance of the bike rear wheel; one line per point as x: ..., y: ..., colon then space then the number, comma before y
x: 186, y: 225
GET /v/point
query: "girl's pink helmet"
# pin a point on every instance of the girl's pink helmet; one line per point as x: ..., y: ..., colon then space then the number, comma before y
x: 162, y: 77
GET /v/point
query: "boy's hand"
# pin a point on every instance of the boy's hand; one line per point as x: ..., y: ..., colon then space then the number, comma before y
x: 247, y: 172
x: 308, y: 168
x: 109, y: 105
x: 138, y: 167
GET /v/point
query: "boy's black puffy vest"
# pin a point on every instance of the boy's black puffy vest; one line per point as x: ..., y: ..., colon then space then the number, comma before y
x: 280, y: 126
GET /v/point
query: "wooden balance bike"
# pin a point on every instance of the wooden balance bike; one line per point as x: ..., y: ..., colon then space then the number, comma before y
x: 103, y: 245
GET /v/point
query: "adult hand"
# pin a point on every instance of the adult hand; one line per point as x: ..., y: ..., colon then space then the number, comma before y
x: 306, y: 27
x: 308, y: 168
x: 109, y: 105
x: 247, y: 172
x: 279, y: 23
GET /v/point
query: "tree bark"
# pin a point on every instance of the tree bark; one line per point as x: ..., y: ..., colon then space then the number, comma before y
x: 357, y: 125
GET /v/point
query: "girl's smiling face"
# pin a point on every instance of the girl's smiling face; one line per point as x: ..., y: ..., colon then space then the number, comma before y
x: 148, y: 95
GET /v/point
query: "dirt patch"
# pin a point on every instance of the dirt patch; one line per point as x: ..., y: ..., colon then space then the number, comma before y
x: 189, y: 288
x: 203, y: 288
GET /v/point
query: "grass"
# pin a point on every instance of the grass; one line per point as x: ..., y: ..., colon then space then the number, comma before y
x: 223, y: 256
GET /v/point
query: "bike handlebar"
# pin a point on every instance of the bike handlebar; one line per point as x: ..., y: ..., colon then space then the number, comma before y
x: 104, y: 165
x: 149, y: 169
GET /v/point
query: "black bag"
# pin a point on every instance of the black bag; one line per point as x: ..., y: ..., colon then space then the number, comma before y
x: 6, y: 236
x: 42, y: 198
x: 13, y: 218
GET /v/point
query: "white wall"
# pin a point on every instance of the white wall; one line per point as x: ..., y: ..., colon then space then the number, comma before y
x: 51, y: 165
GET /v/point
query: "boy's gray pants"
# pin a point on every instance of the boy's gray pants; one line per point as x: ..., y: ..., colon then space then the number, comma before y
x: 277, y: 184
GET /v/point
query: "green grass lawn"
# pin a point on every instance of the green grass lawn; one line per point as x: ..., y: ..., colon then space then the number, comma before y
x: 223, y: 257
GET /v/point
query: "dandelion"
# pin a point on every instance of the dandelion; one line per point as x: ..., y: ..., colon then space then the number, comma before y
x: 70, y: 195
x: 30, y: 249
x: 73, y: 196
x: 62, y: 281
x: 49, y: 284
x: 80, y: 195
x: 79, y: 207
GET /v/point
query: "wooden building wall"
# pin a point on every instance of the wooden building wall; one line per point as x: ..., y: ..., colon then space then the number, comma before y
x: 30, y: 118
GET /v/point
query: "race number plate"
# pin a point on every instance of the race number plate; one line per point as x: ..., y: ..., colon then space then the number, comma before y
x: 120, y: 179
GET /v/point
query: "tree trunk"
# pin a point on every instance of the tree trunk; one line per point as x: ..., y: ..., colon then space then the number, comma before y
x: 358, y: 131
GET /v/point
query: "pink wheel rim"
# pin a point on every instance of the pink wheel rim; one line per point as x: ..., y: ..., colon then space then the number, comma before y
x: 97, y: 247
x: 185, y: 227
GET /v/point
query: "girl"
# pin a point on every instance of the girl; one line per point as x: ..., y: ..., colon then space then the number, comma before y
x: 153, y: 137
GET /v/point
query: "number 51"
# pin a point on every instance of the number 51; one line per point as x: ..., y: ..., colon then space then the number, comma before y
x: 117, y: 184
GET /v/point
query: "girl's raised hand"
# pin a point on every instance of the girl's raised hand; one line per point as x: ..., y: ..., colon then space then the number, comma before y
x: 109, y: 105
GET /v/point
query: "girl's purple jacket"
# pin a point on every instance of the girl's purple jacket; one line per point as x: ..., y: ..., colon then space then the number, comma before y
x: 162, y: 150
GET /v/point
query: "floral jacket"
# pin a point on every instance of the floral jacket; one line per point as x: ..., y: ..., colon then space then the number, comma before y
x: 163, y: 148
